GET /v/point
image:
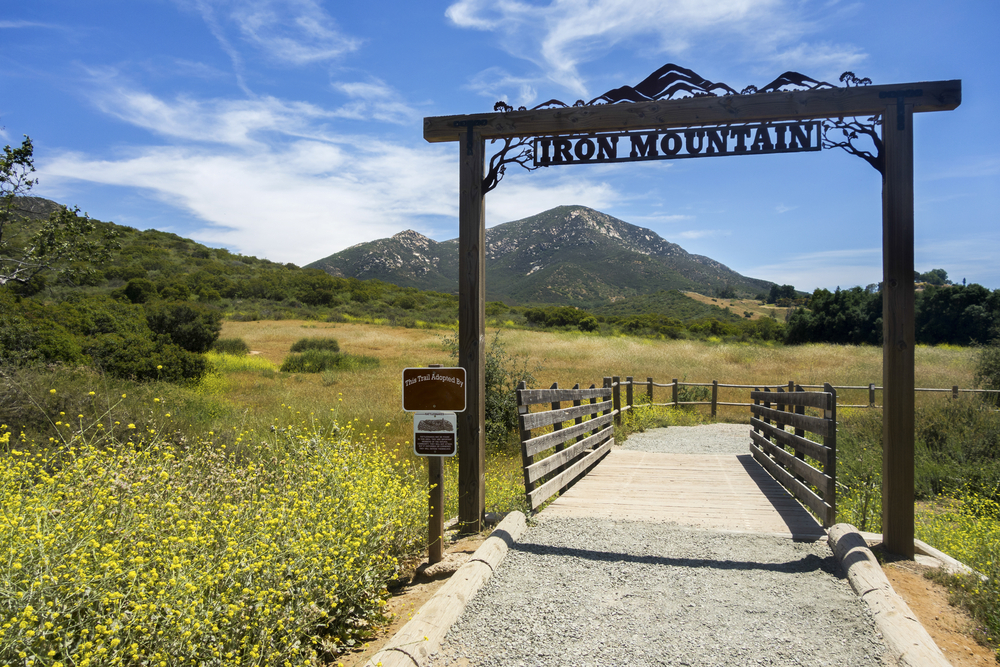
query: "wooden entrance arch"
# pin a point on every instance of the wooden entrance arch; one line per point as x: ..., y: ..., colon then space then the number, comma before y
x: 646, y: 108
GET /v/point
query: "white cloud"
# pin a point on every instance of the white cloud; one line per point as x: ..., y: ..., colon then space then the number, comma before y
x: 828, y: 269
x: 521, y: 195
x: 702, y: 233
x: 561, y: 35
x: 374, y: 100
x: 781, y: 208
x: 495, y: 83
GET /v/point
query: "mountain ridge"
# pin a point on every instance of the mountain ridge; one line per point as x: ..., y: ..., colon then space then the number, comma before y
x: 568, y: 254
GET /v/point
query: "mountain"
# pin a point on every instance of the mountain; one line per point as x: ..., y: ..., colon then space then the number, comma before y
x: 568, y: 254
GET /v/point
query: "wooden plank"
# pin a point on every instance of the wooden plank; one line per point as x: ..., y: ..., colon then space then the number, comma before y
x: 543, y: 442
x: 692, y: 111
x: 551, y: 487
x: 812, y: 399
x: 536, y: 396
x: 816, y: 425
x: 796, y: 487
x: 795, y: 465
x: 535, y: 420
x: 472, y: 334
x: 539, y: 469
x: 817, y: 451
x: 897, y: 332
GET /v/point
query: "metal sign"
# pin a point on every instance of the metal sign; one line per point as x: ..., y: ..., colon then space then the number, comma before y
x: 441, y: 389
x: 756, y: 139
x: 434, y: 434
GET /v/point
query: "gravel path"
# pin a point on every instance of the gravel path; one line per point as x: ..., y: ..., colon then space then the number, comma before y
x: 608, y: 593
x: 580, y: 592
x: 704, y: 439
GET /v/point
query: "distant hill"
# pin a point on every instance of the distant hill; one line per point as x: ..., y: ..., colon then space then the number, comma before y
x: 568, y: 255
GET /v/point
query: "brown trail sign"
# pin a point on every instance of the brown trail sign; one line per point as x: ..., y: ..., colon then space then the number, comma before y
x: 755, y: 113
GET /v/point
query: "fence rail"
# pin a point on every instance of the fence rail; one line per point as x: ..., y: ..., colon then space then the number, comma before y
x: 675, y: 385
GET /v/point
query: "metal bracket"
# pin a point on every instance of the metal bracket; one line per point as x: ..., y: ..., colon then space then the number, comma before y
x: 900, y: 95
x: 469, y: 124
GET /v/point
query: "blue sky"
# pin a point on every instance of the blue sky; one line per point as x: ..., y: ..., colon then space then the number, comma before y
x: 291, y: 129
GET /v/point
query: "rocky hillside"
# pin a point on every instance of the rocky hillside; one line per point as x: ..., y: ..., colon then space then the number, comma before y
x: 569, y: 254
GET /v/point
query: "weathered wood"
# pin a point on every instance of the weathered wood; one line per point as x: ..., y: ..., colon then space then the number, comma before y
x: 628, y: 392
x: 616, y: 397
x: 537, y: 396
x: 830, y: 468
x: 547, y: 490
x: 715, y: 396
x: 812, y: 399
x: 816, y: 425
x: 539, y: 419
x: 472, y: 334
x: 692, y: 111
x: 526, y: 458
x: 675, y: 392
x: 649, y: 390
x: 800, y: 468
x: 421, y: 637
x: 812, y: 449
x: 797, y: 488
x: 897, y: 332
x: 435, y: 514
x: 538, y: 470
x: 907, y: 640
x: 542, y: 442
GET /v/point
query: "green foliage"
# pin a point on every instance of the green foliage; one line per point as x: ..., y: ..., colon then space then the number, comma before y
x: 859, y: 469
x: 318, y: 361
x: 932, y: 277
x: 316, y: 343
x: 988, y: 370
x: 957, y: 314
x: 191, y: 326
x: 140, y: 290
x: 504, y: 371
x: 231, y: 346
x: 852, y: 316
x: 781, y: 293
x: 65, y: 242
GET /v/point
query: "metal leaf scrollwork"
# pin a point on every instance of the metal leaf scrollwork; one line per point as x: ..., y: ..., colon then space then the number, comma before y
x: 844, y: 132
x: 516, y: 150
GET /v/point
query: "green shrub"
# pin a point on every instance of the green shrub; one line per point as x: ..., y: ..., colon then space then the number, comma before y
x: 233, y: 346
x: 191, y: 326
x: 316, y: 343
x: 317, y: 361
x: 140, y: 290
x: 988, y: 370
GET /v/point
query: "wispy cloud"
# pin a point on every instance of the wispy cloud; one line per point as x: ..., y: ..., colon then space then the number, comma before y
x: 702, y: 233
x: 294, y: 31
x: 374, y: 100
x: 26, y: 24
x: 781, y: 208
x: 827, y: 269
x: 560, y: 35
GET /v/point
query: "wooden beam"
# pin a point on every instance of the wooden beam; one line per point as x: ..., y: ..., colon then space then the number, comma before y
x: 691, y: 111
x: 897, y: 332
x: 472, y: 332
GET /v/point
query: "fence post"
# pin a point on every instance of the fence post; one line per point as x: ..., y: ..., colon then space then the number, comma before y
x: 578, y: 420
x: 557, y: 405
x: 831, y: 441
x: 628, y: 392
x: 593, y: 399
x: 649, y: 390
x: 675, y: 392
x: 871, y: 395
x: 616, y: 396
x: 522, y: 410
x: 715, y: 396
x: 954, y: 392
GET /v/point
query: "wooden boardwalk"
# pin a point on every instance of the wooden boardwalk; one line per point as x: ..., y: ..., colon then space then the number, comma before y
x: 730, y: 492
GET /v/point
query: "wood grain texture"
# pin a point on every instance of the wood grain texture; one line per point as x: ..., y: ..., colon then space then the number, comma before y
x: 794, y: 465
x: 812, y: 449
x: 537, y: 396
x: 904, y: 636
x: 813, y: 399
x: 541, y: 468
x: 692, y: 111
x: 543, y: 442
x: 535, y: 420
x: 551, y: 487
x: 795, y: 487
x: 816, y: 425
x: 720, y: 492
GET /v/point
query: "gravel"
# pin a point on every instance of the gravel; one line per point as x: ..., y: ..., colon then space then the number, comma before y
x: 602, y: 592
x: 704, y: 439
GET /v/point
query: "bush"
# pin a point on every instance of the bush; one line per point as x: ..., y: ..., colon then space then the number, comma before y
x: 317, y: 361
x: 316, y: 343
x: 191, y: 326
x: 988, y: 370
x: 140, y: 290
x: 233, y: 346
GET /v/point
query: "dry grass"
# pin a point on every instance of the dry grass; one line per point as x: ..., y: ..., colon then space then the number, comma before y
x: 739, y: 306
x: 566, y: 358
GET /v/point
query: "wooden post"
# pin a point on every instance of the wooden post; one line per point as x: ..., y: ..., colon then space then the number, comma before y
x: 715, y: 397
x: 649, y: 390
x: 954, y: 392
x: 628, y: 391
x: 578, y: 420
x: 435, y: 527
x: 616, y: 396
x: 592, y: 401
x: 557, y: 405
x: 897, y: 330
x: 525, y: 435
x: 607, y: 385
x: 871, y: 395
x: 831, y: 441
x: 676, y: 393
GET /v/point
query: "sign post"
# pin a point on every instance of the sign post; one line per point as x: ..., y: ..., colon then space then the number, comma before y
x: 434, y: 395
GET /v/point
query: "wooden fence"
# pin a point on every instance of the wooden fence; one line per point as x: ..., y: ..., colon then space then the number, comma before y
x: 784, y: 454
x: 676, y: 386
x: 575, y: 449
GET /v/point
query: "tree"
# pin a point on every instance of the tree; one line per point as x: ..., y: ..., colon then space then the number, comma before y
x: 27, y: 247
